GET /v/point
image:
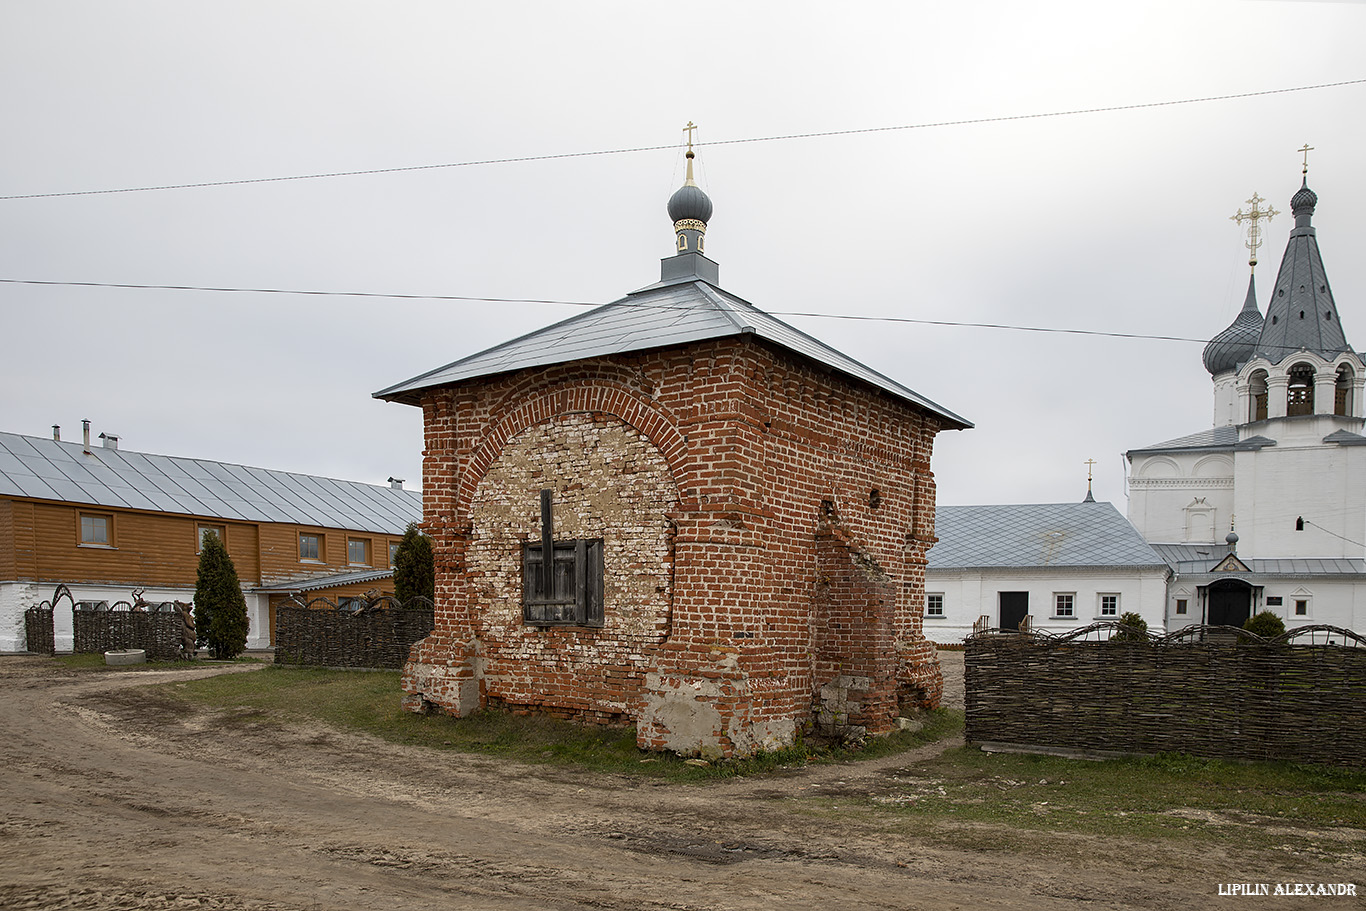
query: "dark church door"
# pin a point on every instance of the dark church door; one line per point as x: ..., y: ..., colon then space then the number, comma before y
x: 1014, y: 606
x: 1230, y: 603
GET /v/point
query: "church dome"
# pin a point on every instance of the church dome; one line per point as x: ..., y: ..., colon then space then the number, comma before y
x: 1237, y: 343
x: 690, y: 203
x: 1304, y: 198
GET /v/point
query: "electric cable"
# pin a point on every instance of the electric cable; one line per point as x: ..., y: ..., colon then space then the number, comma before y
x: 1005, y: 118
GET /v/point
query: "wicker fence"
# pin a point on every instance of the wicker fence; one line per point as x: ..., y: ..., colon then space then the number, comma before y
x: 1210, y: 691
x: 377, y: 635
x: 40, y: 635
x: 159, y: 629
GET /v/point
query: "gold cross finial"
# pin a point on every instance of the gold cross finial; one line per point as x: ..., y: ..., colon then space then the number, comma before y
x: 1089, y: 463
x: 1306, y: 149
x: 688, y: 129
x: 1254, y: 230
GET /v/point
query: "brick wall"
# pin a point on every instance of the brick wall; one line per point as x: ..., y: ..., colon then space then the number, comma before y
x: 765, y: 526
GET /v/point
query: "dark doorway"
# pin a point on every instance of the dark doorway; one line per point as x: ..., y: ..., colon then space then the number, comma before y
x: 1014, y: 607
x: 1230, y: 602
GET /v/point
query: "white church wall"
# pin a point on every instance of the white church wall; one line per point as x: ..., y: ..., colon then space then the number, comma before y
x: 1332, y: 601
x: 1181, y: 497
x: 1324, y: 484
x: 970, y: 594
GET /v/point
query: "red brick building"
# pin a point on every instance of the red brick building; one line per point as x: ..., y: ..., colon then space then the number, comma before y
x: 736, y: 518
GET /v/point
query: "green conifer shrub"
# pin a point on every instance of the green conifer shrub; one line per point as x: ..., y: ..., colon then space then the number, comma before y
x: 1266, y: 624
x: 1132, y: 628
x: 414, y: 566
x: 220, y: 610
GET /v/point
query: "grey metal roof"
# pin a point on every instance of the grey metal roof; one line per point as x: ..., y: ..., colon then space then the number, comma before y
x: 661, y: 315
x: 317, y: 583
x: 1087, y: 534
x: 1236, y: 344
x: 1301, y: 314
x: 1198, y: 559
x: 1219, y: 439
x: 44, y: 469
x: 1216, y: 438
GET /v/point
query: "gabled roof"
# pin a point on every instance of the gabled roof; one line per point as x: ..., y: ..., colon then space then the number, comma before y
x: 1087, y: 534
x: 664, y: 314
x: 42, y: 469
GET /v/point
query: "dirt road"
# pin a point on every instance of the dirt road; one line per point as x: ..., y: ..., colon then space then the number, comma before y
x: 107, y: 803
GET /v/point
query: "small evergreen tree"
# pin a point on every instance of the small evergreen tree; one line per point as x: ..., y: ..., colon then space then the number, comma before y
x: 414, y: 566
x: 1132, y: 628
x: 1266, y: 624
x: 220, y: 610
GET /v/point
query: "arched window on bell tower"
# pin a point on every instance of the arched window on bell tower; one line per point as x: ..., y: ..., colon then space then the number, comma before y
x: 1342, y: 393
x: 1257, y: 387
x: 1299, y: 396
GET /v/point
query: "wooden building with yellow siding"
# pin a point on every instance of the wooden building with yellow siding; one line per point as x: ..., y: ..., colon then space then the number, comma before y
x: 106, y: 521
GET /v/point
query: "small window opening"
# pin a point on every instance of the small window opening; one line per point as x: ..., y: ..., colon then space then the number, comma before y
x: 874, y: 498
x: 1299, y: 524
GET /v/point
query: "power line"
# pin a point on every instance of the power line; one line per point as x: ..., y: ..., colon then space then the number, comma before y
x: 532, y: 300
x: 720, y: 142
x: 1333, y: 533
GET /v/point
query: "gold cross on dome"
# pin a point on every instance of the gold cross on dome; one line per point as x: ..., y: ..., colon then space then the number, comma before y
x: 1089, y: 463
x: 1306, y: 149
x: 688, y: 129
x: 1253, y: 216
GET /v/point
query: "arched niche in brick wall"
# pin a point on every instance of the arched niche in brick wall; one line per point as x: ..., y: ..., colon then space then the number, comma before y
x: 609, y: 481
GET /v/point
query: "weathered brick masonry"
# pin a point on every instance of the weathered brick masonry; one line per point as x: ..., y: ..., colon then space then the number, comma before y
x: 764, y: 521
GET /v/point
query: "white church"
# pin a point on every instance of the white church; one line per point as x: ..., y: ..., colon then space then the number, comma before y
x: 1265, y: 510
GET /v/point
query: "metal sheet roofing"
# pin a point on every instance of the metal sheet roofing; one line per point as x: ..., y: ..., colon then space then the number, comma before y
x: 45, y: 469
x: 665, y: 314
x: 318, y: 583
x: 1199, y: 559
x: 1089, y: 534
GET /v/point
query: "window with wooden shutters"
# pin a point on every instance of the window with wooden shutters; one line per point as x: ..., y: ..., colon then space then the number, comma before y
x: 567, y: 589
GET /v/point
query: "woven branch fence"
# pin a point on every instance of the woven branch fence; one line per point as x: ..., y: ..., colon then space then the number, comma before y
x: 159, y: 629
x: 1210, y: 691
x: 376, y: 635
x: 40, y: 635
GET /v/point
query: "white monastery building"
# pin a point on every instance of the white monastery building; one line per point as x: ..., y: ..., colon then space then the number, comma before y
x: 1265, y: 510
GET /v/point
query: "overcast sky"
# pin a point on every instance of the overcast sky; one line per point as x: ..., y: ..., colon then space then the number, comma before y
x: 1115, y: 221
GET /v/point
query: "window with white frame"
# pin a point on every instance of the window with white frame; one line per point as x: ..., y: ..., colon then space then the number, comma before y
x: 934, y: 604
x: 1301, y: 605
x: 1064, y: 604
x: 1182, y: 606
x: 1107, y: 605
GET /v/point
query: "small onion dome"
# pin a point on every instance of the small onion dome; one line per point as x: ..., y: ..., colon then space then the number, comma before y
x: 690, y: 203
x: 1304, y: 198
x: 1237, y: 343
x: 1231, y: 538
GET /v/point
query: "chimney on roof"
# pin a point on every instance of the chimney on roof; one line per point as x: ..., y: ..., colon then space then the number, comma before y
x: 85, y: 433
x: 56, y: 433
x: 396, y: 483
x: 111, y: 440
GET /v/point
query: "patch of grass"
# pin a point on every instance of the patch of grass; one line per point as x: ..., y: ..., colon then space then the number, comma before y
x: 1169, y: 796
x: 368, y: 702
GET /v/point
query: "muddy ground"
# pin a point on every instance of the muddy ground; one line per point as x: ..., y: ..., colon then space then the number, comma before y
x: 106, y: 802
